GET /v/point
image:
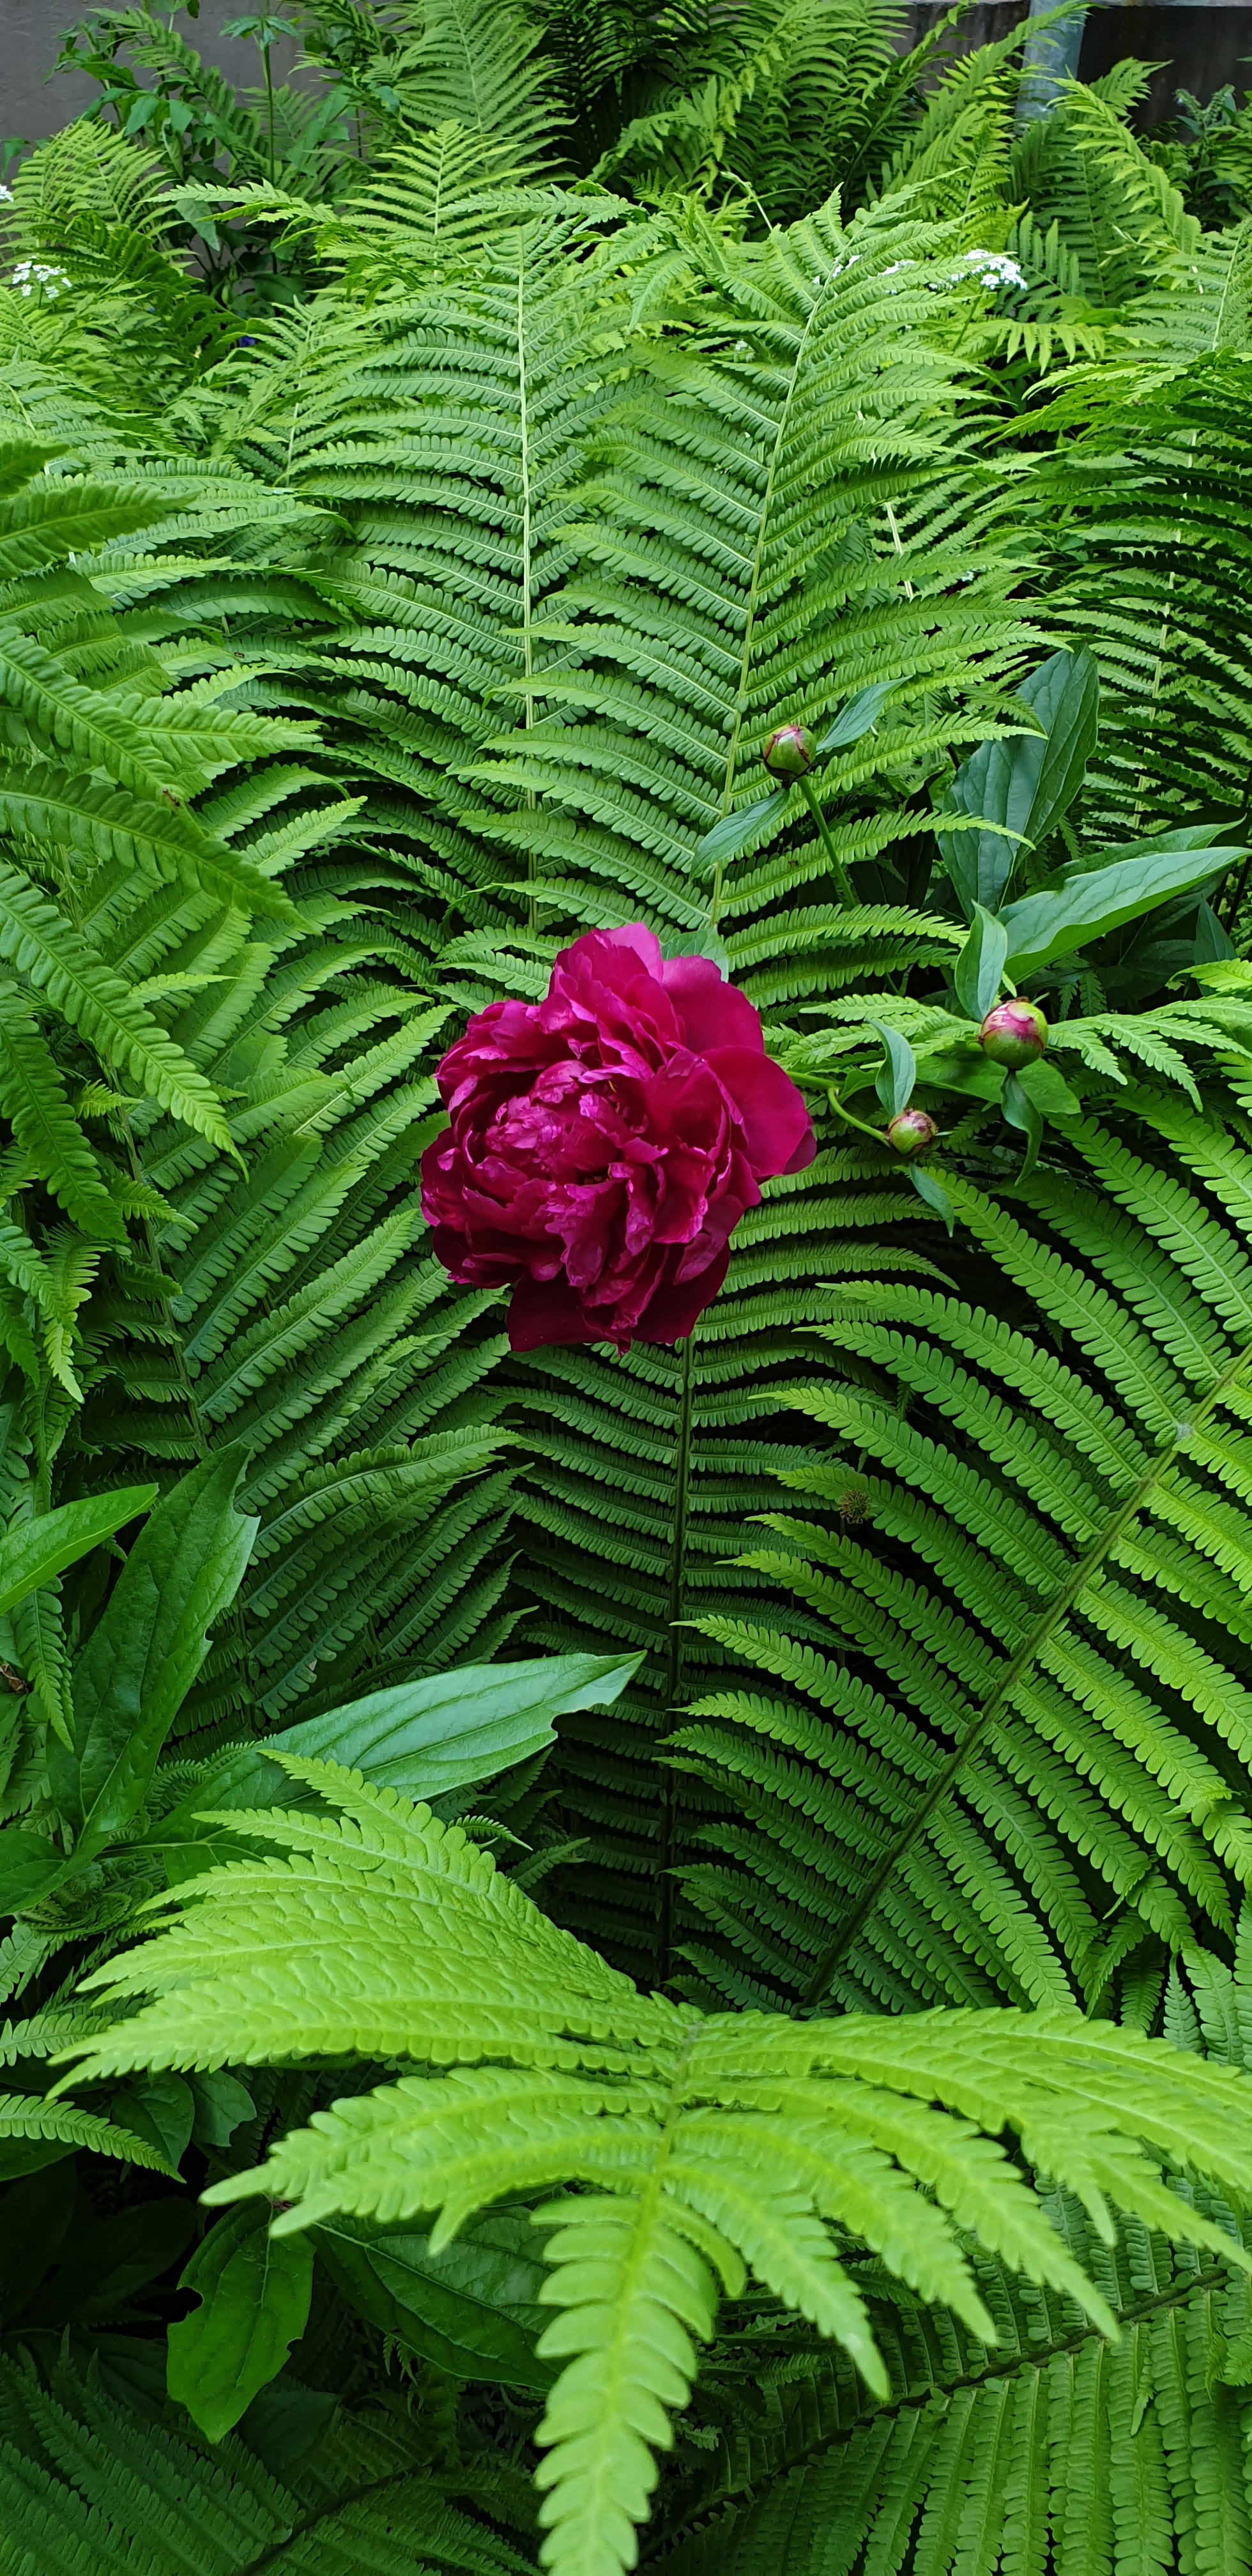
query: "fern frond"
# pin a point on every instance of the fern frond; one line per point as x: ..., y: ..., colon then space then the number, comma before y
x: 88, y: 2482
x: 710, y: 2143
x: 1024, y: 1572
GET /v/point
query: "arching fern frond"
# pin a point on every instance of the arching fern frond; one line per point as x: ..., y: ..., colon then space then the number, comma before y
x: 90, y: 2481
x: 707, y: 2148
x: 1007, y: 1753
x: 974, y: 2452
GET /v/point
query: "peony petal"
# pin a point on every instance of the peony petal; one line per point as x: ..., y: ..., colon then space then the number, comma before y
x: 636, y: 935
x: 675, y: 1309
x: 543, y: 1311
x: 711, y: 1012
x: 778, y: 1130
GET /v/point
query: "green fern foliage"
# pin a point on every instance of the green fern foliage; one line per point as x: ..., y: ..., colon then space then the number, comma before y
x: 708, y: 2148
x: 1155, y: 514
x: 1009, y: 1758
x: 974, y: 2452
x: 89, y: 2481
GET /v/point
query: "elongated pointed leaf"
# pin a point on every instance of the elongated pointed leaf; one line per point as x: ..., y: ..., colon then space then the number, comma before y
x: 29, y: 1868
x: 254, y: 2294
x: 473, y: 2309
x: 856, y: 718
x: 143, y: 1655
x: 935, y: 1196
x: 899, y: 1074
x: 38, y: 1549
x: 1086, y: 903
x: 979, y: 969
x: 1026, y: 782
x: 424, y: 1738
x: 1212, y: 941
x: 735, y: 830
x: 1022, y: 1113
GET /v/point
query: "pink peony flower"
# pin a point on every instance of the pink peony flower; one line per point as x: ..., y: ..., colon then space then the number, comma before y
x: 605, y: 1143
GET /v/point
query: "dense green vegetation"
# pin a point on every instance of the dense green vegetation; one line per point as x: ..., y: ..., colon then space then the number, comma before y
x: 625, y: 1956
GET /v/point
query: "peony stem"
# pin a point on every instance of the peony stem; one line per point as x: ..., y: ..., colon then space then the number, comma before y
x: 673, y: 1678
x: 849, y: 1121
x: 847, y: 891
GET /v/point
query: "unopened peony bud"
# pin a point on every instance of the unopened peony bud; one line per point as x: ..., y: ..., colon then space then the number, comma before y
x: 1014, y: 1034
x: 911, y: 1134
x: 789, y: 752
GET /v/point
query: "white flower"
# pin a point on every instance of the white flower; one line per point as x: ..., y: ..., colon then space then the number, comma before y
x: 995, y: 268
x: 7, y: 197
x: 30, y: 273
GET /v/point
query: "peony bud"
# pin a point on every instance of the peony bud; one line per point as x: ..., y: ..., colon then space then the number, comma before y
x: 789, y: 752
x: 1014, y: 1034
x: 911, y: 1134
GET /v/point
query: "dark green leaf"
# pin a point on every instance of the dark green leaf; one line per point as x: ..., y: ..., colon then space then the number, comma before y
x: 1026, y: 783
x: 895, y: 1083
x: 423, y: 1738
x: 1046, y: 1087
x: 857, y: 717
x: 935, y: 1195
x: 254, y: 2304
x: 160, y: 2109
x: 473, y: 2309
x: 1087, y: 902
x: 1211, y: 941
x: 34, y: 2216
x: 1020, y: 1112
x: 143, y: 1655
x: 34, y: 1551
x: 106, y: 2261
x: 979, y: 970
x: 735, y: 830
x: 29, y: 1867
x: 222, y: 2104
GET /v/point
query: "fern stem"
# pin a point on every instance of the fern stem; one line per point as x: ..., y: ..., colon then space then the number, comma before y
x: 1020, y: 1663
x: 749, y: 629
x: 909, y: 591
x: 523, y: 416
x: 322, y: 2518
x: 1013, y: 2364
x: 673, y: 1673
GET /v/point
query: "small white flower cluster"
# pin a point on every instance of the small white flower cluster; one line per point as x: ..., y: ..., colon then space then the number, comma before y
x: 7, y: 197
x: 995, y: 268
x: 30, y: 273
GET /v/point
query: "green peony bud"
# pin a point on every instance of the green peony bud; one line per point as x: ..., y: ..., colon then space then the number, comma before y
x: 1014, y: 1034
x: 789, y: 752
x: 911, y: 1134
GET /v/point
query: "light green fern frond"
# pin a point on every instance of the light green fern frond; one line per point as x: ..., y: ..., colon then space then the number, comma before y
x: 974, y: 2451
x: 707, y: 2145
x: 1119, y: 216
x: 481, y: 73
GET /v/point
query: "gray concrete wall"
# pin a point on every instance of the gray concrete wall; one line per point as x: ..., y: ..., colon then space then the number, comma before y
x: 33, y: 104
x: 1200, y: 46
